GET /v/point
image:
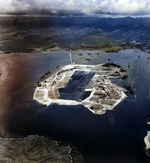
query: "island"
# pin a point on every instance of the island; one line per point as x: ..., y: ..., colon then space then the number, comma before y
x: 86, y: 85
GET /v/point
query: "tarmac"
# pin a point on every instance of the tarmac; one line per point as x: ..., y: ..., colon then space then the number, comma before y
x: 87, y: 85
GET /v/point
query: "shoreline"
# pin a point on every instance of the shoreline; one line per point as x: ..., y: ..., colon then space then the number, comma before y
x: 34, y: 148
x: 114, y: 49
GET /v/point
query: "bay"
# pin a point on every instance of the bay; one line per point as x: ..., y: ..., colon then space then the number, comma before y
x: 116, y: 136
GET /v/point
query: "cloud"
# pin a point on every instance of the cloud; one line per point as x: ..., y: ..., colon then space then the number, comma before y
x: 127, y: 7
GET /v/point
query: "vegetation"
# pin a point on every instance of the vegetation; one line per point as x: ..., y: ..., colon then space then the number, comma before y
x: 29, y: 34
x: 100, y: 45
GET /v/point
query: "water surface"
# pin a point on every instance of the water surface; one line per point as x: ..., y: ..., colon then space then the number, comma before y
x: 117, y: 136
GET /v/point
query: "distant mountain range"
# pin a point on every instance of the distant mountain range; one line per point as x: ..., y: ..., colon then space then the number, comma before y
x: 27, y: 33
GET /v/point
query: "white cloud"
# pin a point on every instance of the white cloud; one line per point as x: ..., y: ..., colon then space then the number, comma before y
x: 86, y: 6
x: 6, y: 5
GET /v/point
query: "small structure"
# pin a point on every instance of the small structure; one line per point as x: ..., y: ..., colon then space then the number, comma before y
x: 70, y: 58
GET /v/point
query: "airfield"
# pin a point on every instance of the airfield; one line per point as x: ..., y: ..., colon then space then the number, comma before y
x: 87, y: 85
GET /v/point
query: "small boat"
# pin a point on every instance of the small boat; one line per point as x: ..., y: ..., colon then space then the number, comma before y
x: 87, y: 59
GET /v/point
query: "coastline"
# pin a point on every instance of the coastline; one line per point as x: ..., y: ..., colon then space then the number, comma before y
x: 35, y: 149
x: 113, y: 49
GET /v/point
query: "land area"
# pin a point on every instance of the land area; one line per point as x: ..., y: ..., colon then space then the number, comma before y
x: 33, y: 149
x: 86, y: 85
x: 54, y: 33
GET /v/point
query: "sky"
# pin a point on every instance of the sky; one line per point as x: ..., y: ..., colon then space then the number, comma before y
x: 89, y: 7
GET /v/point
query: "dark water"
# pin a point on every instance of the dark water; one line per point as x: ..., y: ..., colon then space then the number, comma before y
x: 115, y: 137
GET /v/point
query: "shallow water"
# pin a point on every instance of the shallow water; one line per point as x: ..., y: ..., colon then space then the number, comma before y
x: 117, y: 136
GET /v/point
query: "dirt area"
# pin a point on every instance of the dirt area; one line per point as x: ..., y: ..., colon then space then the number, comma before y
x: 62, y: 80
x: 3, y: 72
x: 147, y: 143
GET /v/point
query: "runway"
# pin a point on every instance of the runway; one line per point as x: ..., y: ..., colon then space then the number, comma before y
x: 75, y: 89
